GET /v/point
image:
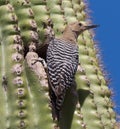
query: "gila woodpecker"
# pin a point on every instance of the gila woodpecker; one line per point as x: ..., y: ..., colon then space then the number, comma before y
x: 62, y: 63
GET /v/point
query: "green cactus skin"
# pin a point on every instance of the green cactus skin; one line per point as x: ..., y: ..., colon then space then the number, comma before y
x: 24, y: 101
x: 21, y: 104
x: 15, y: 91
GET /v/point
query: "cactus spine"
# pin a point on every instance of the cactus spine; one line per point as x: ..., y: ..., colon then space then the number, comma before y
x: 24, y: 99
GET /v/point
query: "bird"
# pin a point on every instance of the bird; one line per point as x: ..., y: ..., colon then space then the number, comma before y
x: 62, y: 61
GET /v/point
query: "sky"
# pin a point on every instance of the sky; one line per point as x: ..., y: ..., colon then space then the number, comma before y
x: 107, y: 14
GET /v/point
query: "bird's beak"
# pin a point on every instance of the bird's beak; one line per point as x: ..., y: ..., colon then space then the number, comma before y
x: 90, y: 27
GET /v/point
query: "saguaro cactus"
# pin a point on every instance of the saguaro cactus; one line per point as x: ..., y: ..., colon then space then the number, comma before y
x: 24, y: 99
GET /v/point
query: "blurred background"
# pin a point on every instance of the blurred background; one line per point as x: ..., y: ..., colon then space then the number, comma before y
x: 107, y: 14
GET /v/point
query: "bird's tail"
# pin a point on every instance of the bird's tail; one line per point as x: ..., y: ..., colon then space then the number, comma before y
x: 55, y: 111
x: 56, y: 104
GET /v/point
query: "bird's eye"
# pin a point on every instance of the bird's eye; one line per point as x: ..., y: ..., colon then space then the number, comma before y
x: 80, y: 24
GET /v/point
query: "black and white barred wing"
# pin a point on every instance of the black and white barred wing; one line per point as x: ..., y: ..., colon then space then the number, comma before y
x: 62, y: 61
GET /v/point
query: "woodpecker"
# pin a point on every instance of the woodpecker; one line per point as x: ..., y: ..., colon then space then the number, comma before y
x: 62, y: 62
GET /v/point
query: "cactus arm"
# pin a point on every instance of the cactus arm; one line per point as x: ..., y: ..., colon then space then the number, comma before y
x: 38, y: 99
x: 98, y: 89
x: 3, y: 82
x: 4, y: 94
x: 17, y: 90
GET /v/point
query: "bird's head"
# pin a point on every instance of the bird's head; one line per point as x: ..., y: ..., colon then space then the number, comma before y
x: 79, y: 27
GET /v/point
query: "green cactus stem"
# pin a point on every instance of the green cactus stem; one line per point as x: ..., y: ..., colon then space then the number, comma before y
x: 24, y: 96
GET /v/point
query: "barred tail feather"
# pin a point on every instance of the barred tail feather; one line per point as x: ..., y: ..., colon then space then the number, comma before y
x: 56, y: 104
